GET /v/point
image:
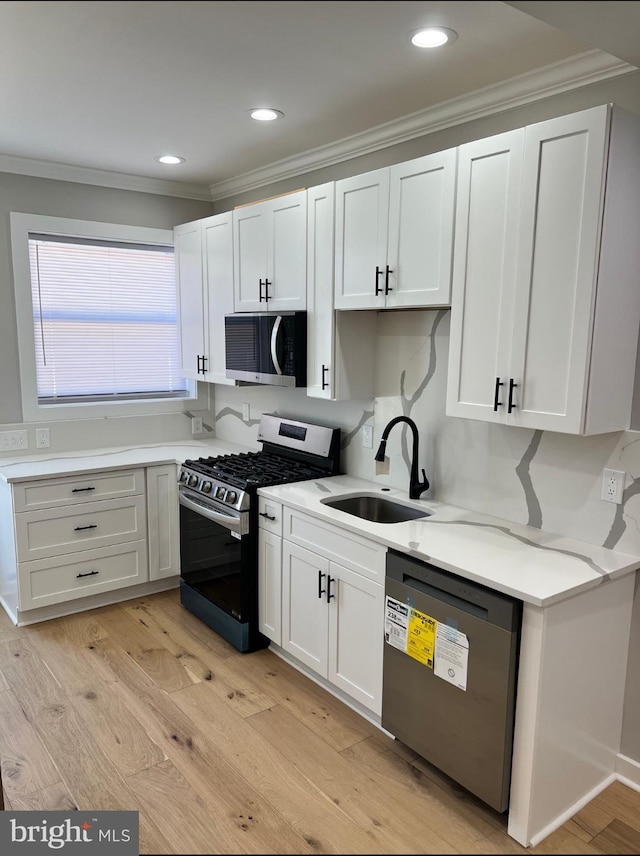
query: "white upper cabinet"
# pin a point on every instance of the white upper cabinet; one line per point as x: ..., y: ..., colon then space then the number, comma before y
x: 545, y: 305
x: 270, y: 255
x: 340, y: 346
x: 187, y: 240
x: 204, y: 268
x: 394, y: 235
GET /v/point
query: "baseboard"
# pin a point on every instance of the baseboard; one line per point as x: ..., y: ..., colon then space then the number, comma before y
x: 628, y: 771
x: 71, y: 607
x: 570, y: 812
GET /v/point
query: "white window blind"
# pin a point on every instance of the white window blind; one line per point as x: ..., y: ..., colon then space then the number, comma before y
x: 104, y: 317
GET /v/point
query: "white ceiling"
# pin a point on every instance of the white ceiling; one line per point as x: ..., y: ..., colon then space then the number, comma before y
x: 110, y: 85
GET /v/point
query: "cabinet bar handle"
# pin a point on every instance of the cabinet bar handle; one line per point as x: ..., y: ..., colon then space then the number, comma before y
x: 266, y: 290
x: 320, y: 589
x: 387, y: 287
x: 325, y: 370
x: 511, y: 406
x: 261, y: 297
x: 268, y: 516
x: 378, y: 275
x: 329, y: 581
x: 496, y: 394
x: 90, y: 526
x: 81, y: 489
x: 204, y: 368
x: 88, y: 574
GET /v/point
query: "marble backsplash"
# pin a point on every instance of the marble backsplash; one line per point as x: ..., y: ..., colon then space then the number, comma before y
x: 544, y: 479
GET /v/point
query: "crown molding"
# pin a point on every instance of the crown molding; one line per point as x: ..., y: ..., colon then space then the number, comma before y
x: 102, y: 177
x: 554, y: 79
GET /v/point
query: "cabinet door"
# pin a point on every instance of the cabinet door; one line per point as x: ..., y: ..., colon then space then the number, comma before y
x: 164, y: 521
x: 305, y: 618
x: 484, y: 271
x: 191, y: 302
x: 562, y: 192
x: 362, y: 217
x: 320, y: 314
x: 356, y: 629
x: 287, y: 253
x: 249, y: 257
x: 217, y: 246
x: 270, y: 585
x: 421, y: 207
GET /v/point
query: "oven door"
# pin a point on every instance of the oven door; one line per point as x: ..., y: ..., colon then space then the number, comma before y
x: 216, y: 566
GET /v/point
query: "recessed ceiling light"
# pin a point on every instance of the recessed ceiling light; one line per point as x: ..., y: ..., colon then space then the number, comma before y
x: 265, y: 114
x: 171, y: 159
x: 433, y: 37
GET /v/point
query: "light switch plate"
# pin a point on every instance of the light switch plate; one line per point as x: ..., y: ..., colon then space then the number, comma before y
x: 196, y: 424
x: 367, y: 436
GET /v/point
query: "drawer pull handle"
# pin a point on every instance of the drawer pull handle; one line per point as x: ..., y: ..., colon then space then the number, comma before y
x: 88, y: 574
x: 90, y: 526
x: 268, y: 516
x: 81, y: 489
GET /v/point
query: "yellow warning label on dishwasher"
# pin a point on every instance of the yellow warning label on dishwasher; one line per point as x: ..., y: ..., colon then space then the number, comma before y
x: 421, y: 637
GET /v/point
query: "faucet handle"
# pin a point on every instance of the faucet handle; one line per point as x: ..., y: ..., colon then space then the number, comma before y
x: 426, y: 480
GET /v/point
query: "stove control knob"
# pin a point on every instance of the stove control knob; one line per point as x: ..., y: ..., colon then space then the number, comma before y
x: 192, y: 481
x: 220, y: 492
x: 205, y: 487
x: 231, y: 497
x: 183, y: 475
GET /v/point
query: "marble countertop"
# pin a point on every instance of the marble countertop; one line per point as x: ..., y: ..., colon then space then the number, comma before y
x: 91, y: 460
x: 537, y: 567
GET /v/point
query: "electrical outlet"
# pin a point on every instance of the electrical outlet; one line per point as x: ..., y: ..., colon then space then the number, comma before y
x: 613, y: 485
x: 42, y: 438
x: 367, y: 436
x: 13, y: 441
x: 246, y: 412
x: 196, y: 424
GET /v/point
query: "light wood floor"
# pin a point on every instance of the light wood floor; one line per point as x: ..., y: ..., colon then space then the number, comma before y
x: 139, y: 706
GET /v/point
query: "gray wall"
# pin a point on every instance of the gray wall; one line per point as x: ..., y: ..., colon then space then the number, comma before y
x: 83, y: 202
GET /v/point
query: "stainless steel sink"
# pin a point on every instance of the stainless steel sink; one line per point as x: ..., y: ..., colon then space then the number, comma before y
x: 376, y: 508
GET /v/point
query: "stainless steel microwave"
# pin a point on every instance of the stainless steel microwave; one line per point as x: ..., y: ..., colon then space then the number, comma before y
x: 267, y: 347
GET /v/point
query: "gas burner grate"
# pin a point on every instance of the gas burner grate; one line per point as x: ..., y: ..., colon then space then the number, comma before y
x: 255, y: 469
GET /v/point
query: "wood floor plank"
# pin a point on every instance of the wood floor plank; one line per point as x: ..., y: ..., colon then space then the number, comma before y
x: 201, y: 661
x: 117, y: 730
x: 26, y: 764
x: 391, y: 824
x: 319, y: 820
x: 152, y: 657
x: 8, y: 630
x: 618, y: 802
x: 225, y: 792
x: 56, y: 797
x: 170, y: 602
x: 563, y: 841
x: 618, y: 837
x: 3, y: 683
x: 92, y: 780
x: 324, y: 715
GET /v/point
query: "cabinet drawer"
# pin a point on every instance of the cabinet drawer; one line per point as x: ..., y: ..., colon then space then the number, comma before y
x: 54, y: 532
x: 339, y: 545
x: 48, y: 493
x: 63, y: 578
x: 270, y: 515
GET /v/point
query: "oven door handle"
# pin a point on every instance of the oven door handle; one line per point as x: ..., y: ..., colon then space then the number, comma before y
x: 234, y: 524
x: 274, y: 344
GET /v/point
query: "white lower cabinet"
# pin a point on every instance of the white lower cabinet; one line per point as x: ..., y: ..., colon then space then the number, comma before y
x: 326, y: 616
x: 68, y: 538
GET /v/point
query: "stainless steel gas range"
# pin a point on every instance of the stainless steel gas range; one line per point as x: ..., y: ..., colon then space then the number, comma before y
x: 219, y: 522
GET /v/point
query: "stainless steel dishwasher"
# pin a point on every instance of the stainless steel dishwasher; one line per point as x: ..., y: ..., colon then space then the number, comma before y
x: 449, y: 675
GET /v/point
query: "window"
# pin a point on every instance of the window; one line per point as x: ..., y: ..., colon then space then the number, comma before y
x: 101, y: 309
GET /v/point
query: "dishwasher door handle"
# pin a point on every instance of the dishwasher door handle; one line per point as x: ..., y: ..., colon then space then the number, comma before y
x: 452, y: 599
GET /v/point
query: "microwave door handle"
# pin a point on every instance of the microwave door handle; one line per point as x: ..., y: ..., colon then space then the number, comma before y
x: 274, y: 344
